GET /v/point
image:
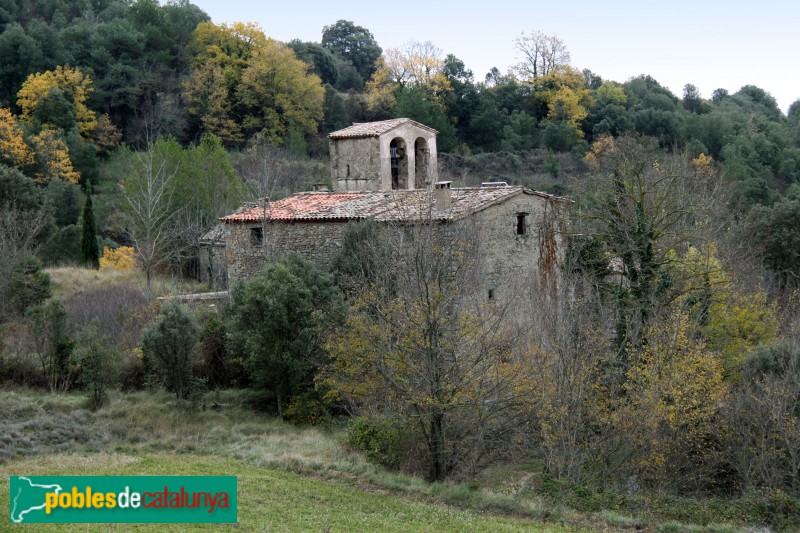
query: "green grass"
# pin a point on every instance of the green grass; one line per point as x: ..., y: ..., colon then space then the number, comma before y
x: 319, y: 482
x: 273, y: 500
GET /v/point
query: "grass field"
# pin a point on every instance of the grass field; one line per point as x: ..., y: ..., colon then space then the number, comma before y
x: 290, y: 478
x: 272, y: 500
x: 67, y: 281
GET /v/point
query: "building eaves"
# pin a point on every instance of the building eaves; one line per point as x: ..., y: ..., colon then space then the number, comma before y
x: 386, y: 206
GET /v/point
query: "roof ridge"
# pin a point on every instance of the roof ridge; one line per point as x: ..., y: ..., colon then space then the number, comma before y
x: 375, y: 128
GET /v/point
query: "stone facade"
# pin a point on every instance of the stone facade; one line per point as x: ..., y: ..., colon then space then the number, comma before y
x: 520, y: 233
x: 522, y: 245
x: 247, y: 254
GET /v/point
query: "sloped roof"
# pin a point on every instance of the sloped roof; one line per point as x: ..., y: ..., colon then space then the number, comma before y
x: 375, y: 129
x: 215, y: 235
x: 388, y: 206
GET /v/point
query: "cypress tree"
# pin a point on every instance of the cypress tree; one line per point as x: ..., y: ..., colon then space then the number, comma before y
x: 90, y: 251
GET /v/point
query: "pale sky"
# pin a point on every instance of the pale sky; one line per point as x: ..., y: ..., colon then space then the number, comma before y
x: 709, y: 43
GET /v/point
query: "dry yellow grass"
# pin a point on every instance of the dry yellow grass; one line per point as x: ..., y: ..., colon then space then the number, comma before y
x: 71, y: 280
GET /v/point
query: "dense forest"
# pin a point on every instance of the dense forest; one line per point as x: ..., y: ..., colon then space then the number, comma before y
x: 131, y: 126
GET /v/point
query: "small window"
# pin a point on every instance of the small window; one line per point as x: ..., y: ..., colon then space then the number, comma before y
x: 256, y: 236
x: 521, y: 224
x: 491, y: 294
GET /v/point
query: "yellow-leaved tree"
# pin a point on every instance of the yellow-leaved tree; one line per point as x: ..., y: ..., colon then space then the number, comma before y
x: 13, y: 149
x: 673, y: 391
x: 732, y: 321
x: 278, y: 93
x: 415, y: 64
x: 52, y: 158
x: 418, y: 350
x: 66, y: 85
x: 222, y: 53
x: 243, y: 83
x: 568, y: 100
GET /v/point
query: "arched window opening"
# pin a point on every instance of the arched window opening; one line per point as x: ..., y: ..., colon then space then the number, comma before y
x: 397, y: 151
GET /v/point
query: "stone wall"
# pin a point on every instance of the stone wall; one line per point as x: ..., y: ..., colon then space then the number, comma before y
x: 213, y: 265
x: 355, y: 164
x: 315, y: 241
x: 513, y: 264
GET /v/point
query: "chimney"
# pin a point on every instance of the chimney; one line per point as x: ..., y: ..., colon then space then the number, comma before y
x: 442, y: 195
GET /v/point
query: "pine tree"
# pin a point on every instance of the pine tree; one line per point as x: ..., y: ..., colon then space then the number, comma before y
x: 90, y: 251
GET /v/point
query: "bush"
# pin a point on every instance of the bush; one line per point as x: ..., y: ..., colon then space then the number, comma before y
x: 307, y: 408
x: 168, y: 346
x: 215, y: 366
x: 122, y: 258
x: 63, y: 246
x: 52, y: 346
x: 95, y: 358
x: 377, y: 438
x: 18, y: 363
x: 121, y: 311
x: 774, y: 508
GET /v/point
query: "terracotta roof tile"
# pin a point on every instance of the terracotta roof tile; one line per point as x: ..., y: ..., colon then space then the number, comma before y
x: 296, y: 207
x: 374, y: 129
x: 394, y: 206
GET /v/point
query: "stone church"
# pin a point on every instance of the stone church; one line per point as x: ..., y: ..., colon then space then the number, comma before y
x: 387, y: 171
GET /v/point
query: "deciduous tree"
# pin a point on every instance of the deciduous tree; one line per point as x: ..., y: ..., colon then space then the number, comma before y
x: 641, y: 209
x: 25, y: 218
x: 147, y: 185
x: 416, y: 348
x: 673, y: 393
x: 278, y: 94
x: 539, y: 55
x: 68, y: 83
x: 14, y: 151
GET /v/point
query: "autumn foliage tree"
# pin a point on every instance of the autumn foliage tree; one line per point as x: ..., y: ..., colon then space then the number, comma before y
x: 674, y: 391
x: 69, y: 84
x: 278, y: 95
x: 417, y: 349
x: 243, y: 83
x: 14, y: 151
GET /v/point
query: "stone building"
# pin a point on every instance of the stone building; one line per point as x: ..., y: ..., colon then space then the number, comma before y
x: 521, y: 233
x: 394, y: 154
